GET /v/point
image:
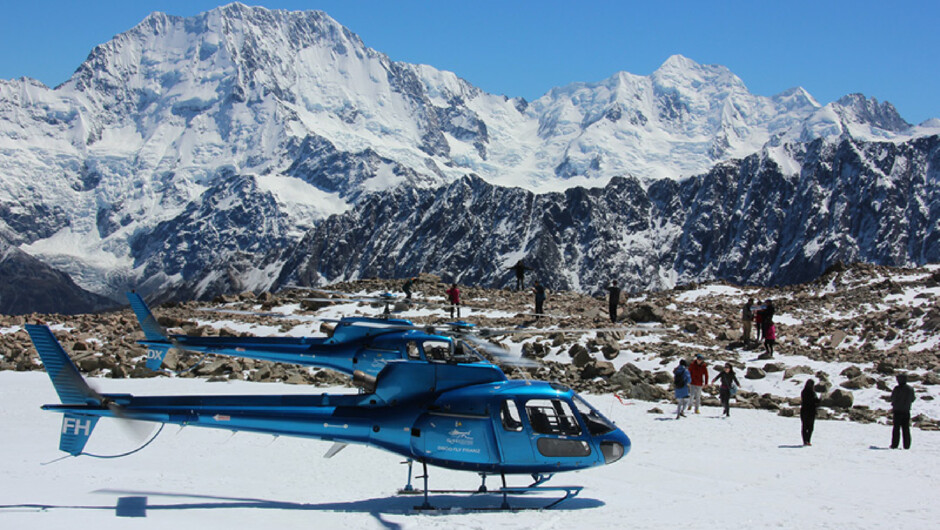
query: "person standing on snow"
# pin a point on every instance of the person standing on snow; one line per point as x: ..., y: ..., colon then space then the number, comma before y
x: 727, y: 382
x: 809, y: 402
x: 699, y: 373
x: 453, y: 295
x: 902, y: 397
x: 681, y: 380
x: 613, y: 300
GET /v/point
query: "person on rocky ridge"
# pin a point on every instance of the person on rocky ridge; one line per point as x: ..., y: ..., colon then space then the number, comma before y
x: 770, y: 339
x: 699, y: 373
x: 453, y: 294
x: 902, y: 397
x: 681, y: 380
x: 747, y: 316
x: 519, y: 268
x: 758, y: 312
x: 540, y: 296
x: 809, y: 402
x: 409, y: 284
x: 613, y: 300
x: 727, y: 381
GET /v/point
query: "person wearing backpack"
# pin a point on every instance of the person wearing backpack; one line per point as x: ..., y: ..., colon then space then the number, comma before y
x: 681, y: 380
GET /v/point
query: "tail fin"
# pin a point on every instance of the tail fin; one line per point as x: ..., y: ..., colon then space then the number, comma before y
x: 68, y: 382
x: 72, y: 389
x: 76, y: 429
x: 152, y: 329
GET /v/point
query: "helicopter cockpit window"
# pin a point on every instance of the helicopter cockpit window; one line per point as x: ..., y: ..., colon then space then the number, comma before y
x: 552, y: 416
x: 437, y: 350
x: 596, y: 423
x: 465, y: 353
x: 413, y: 353
x: 509, y: 414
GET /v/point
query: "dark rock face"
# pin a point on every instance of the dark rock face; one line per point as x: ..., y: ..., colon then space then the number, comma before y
x: 27, y: 285
x: 746, y: 222
x: 215, y: 242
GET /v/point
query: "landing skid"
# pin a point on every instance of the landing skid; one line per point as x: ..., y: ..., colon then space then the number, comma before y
x: 505, y: 491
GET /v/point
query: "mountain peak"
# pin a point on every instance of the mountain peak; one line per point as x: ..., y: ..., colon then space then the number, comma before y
x: 868, y: 110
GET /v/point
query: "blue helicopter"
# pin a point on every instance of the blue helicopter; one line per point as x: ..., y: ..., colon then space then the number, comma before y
x: 463, y: 416
x: 359, y: 347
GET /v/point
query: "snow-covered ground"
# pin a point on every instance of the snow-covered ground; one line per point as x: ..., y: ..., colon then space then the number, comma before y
x: 748, y: 471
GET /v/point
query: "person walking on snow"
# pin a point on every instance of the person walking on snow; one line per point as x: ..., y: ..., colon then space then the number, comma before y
x: 726, y: 380
x: 681, y: 380
x: 613, y: 300
x: 809, y: 402
x: 699, y: 372
x: 453, y: 295
x: 902, y: 397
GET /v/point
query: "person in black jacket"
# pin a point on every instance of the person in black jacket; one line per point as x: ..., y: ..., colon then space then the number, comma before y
x: 613, y: 300
x: 726, y: 379
x: 809, y: 401
x: 902, y: 397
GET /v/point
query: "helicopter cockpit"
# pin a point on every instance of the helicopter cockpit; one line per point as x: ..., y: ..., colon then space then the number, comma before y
x: 442, y: 351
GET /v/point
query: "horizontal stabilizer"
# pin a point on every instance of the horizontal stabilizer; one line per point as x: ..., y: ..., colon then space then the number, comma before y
x: 76, y: 429
x: 66, y: 379
x: 152, y: 329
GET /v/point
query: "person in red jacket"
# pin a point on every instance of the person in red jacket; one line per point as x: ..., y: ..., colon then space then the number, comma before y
x: 699, y: 373
x: 453, y: 295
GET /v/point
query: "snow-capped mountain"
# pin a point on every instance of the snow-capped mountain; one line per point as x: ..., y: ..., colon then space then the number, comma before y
x: 188, y: 155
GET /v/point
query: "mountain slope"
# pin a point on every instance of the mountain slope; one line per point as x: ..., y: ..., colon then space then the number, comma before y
x: 116, y: 177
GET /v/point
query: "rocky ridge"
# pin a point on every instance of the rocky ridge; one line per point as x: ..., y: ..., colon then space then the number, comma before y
x: 851, y: 330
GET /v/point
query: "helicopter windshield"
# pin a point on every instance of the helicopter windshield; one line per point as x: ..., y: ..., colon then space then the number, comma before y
x: 552, y: 416
x: 596, y: 423
x: 465, y: 353
x: 437, y: 350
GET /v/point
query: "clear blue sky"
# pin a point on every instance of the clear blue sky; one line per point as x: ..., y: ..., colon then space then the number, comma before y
x: 887, y: 50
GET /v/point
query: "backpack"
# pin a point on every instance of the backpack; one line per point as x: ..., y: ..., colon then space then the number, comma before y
x: 678, y: 379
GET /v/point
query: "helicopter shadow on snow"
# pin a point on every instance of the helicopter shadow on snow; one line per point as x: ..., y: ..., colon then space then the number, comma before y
x: 138, y: 503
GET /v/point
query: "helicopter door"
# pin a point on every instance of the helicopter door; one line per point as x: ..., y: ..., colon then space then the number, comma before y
x: 514, y: 443
x: 559, y: 434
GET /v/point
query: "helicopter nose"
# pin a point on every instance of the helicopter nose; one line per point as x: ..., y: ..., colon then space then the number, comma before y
x: 615, y: 446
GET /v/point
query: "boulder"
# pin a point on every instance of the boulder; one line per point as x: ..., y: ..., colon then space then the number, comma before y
x: 582, y: 358
x: 862, y: 381
x: 754, y: 373
x: 797, y: 370
x: 597, y: 369
x: 851, y: 372
x: 646, y: 313
x: 774, y: 367
x: 836, y: 339
x: 838, y: 399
